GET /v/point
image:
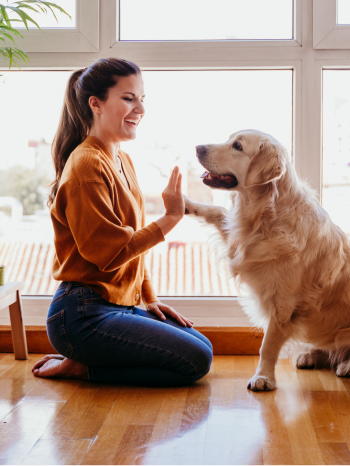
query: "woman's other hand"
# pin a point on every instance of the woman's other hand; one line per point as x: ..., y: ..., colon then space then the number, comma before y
x: 159, y: 309
x: 173, y: 202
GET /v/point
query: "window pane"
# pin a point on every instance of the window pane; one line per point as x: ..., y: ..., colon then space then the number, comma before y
x: 183, y: 109
x: 343, y: 12
x: 336, y: 146
x: 48, y: 20
x: 33, y: 102
x: 206, y: 19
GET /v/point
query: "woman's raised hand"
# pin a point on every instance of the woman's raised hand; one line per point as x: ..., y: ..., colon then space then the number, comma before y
x: 172, y: 195
x: 173, y: 202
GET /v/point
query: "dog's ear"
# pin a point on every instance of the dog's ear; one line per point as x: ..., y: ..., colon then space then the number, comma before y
x: 267, y: 165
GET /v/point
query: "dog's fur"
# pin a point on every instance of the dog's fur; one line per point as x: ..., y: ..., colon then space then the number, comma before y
x: 282, y: 245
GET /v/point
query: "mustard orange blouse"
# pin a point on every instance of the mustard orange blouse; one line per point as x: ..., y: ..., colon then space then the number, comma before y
x: 99, y: 225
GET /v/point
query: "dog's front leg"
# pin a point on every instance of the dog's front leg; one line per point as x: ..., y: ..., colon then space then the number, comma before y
x: 212, y: 215
x: 274, y: 338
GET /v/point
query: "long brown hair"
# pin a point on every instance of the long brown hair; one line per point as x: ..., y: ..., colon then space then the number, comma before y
x: 76, y: 117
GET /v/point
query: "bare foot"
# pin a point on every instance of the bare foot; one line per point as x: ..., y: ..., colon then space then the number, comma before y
x: 56, y: 365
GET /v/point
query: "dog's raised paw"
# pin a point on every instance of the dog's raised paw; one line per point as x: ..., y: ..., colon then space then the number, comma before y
x: 190, y: 206
x: 343, y: 369
x: 305, y: 361
x: 259, y: 383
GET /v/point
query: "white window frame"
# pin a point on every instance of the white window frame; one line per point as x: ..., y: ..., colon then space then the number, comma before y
x: 327, y: 34
x: 299, y: 55
x: 212, y: 49
x: 83, y: 38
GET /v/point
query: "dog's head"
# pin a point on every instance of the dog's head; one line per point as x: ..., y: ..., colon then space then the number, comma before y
x: 249, y: 158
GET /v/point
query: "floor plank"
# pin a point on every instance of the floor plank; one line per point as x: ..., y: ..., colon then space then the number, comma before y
x: 49, y: 451
x: 84, y: 413
x: 215, y: 421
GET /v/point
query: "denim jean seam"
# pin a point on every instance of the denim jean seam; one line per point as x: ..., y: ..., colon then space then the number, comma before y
x: 54, y: 301
x: 54, y: 317
x: 144, y: 344
x: 65, y: 333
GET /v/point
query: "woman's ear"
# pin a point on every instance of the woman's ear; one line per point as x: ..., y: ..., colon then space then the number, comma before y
x: 267, y: 165
x: 95, y: 104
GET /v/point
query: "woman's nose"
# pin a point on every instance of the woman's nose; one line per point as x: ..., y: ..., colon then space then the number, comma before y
x: 140, y: 108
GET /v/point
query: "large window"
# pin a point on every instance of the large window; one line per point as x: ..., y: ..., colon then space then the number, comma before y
x: 251, y: 71
x: 183, y: 109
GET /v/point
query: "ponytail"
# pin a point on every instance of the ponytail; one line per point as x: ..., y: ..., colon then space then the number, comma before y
x: 71, y: 132
x: 76, y: 116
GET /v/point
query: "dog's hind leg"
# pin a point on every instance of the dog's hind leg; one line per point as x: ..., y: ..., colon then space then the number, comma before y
x: 212, y: 215
x: 343, y: 369
x: 313, y: 359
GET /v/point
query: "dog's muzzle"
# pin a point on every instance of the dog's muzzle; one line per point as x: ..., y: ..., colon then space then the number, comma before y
x: 213, y: 180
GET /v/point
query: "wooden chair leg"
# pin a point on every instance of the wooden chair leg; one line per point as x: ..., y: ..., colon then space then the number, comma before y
x: 17, y: 328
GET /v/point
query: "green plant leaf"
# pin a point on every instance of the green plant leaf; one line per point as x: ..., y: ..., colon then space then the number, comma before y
x: 23, y: 55
x: 4, y: 14
x: 8, y: 36
x: 10, y: 29
x: 13, y: 55
x: 44, y: 6
x: 29, y: 8
x: 23, y: 15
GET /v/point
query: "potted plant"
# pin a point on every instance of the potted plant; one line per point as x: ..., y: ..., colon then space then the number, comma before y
x: 17, y: 12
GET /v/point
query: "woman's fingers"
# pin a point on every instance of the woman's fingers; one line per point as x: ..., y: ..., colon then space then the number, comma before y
x: 158, y: 312
x: 178, y: 183
x: 180, y: 318
x: 159, y: 309
x: 176, y: 173
x: 172, y: 178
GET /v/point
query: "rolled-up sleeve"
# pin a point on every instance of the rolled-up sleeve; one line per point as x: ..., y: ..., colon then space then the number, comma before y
x: 98, y: 232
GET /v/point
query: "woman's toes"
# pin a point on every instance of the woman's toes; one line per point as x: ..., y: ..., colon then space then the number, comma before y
x: 51, y: 368
x: 46, y: 358
x: 62, y: 368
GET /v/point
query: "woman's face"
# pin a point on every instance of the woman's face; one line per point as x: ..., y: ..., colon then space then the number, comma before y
x: 119, y: 115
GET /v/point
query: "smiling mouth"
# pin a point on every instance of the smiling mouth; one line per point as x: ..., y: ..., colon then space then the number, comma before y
x: 219, y: 181
x: 132, y: 122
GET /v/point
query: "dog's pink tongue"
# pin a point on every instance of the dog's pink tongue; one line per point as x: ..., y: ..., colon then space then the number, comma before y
x: 205, y: 174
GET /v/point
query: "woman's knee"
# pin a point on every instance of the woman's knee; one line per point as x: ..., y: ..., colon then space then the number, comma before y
x: 202, y: 359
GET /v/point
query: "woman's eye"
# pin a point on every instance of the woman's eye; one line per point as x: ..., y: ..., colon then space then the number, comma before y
x: 237, y: 146
x: 128, y: 99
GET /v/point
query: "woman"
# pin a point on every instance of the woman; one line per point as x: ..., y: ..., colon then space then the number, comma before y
x: 98, y: 215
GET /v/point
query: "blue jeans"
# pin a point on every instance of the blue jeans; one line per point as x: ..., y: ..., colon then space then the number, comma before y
x: 124, y: 344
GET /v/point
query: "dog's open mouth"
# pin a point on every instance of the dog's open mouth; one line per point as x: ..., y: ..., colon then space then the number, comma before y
x: 219, y: 181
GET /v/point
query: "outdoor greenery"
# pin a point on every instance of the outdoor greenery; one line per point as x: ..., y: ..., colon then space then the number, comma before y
x: 27, y: 185
x: 17, y: 12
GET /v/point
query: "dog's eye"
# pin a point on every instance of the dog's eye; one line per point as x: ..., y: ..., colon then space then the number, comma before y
x: 237, y: 145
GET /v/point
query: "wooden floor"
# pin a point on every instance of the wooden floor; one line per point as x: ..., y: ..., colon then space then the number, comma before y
x: 216, y: 421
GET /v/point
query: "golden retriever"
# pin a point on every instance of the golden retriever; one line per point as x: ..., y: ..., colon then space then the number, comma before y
x: 282, y: 245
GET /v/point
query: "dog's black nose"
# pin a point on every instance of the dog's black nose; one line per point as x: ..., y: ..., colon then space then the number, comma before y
x: 201, y: 151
